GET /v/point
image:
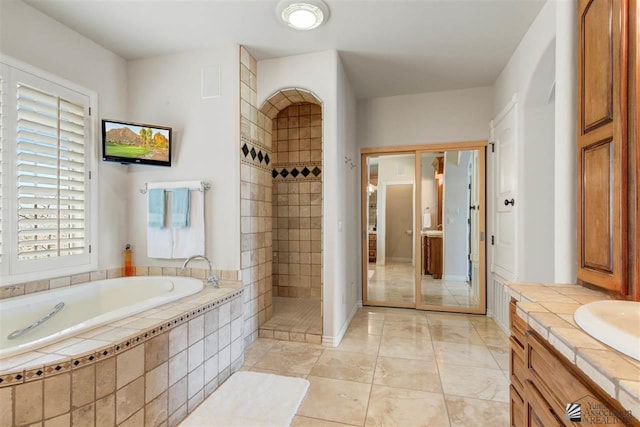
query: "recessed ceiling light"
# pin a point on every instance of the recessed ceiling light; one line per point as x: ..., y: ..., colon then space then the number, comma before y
x: 302, y: 15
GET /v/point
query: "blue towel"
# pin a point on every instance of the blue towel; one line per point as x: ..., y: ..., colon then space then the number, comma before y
x: 156, y: 208
x: 180, y: 208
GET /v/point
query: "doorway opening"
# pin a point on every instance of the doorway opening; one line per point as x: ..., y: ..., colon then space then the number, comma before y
x: 296, y: 213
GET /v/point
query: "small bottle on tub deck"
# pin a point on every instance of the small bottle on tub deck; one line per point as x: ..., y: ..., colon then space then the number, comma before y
x: 128, y: 263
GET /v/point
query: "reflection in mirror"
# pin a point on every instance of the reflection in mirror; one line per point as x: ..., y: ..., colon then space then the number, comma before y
x: 450, y: 234
x: 390, y: 219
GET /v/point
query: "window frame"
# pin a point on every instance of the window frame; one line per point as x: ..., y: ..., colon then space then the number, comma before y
x: 13, y: 271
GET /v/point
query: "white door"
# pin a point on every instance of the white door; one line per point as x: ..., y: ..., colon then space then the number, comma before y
x: 504, y: 260
x: 474, y: 220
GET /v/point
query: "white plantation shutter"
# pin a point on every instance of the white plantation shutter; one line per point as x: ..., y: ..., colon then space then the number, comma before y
x: 2, y: 120
x: 50, y: 172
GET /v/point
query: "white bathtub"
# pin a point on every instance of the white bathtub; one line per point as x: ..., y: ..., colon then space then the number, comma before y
x: 85, y: 306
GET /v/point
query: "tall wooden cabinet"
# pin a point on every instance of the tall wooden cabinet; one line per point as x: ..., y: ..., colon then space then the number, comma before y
x: 603, y: 141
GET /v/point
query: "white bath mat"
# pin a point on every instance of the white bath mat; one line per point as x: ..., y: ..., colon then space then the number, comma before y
x: 370, y: 273
x: 251, y: 399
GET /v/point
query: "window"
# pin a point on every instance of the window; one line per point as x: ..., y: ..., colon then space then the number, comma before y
x: 45, y: 203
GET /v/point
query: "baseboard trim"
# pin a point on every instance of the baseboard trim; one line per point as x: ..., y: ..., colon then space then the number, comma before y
x: 334, y: 341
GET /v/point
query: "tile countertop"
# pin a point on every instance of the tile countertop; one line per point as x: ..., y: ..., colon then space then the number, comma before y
x: 112, y: 333
x: 549, y: 309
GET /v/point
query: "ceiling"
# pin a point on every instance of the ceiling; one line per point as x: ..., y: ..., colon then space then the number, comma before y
x: 388, y: 47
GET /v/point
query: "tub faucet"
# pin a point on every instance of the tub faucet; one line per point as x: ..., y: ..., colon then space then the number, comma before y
x: 211, y: 279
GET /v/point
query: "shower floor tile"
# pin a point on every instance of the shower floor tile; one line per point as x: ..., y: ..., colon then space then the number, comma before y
x: 294, y: 319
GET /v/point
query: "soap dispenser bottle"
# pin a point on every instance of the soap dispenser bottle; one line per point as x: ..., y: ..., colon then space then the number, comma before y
x: 128, y: 263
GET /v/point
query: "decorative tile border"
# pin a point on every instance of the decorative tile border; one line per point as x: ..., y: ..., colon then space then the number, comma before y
x: 310, y: 172
x: 254, y: 154
x: 76, y: 362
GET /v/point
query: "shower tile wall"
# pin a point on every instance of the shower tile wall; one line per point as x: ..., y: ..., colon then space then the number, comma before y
x: 255, y: 203
x: 297, y: 201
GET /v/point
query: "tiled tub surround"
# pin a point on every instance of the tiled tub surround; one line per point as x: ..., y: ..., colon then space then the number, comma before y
x: 83, y: 307
x: 152, y: 368
x: 297, y: 201
x: 26, y: 288
x: 549, y: 309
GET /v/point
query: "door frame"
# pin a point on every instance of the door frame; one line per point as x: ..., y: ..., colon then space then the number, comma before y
x: 417, y: 150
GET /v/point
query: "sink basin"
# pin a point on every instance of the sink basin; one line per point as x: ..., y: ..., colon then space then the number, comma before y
x: 615, y: 323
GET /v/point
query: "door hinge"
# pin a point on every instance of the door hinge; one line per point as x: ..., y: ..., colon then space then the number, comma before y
x: 493, y: 147
x: 89, y: 174
x: 89, y: 110
x: 89, y: 248
x: 493, y: 240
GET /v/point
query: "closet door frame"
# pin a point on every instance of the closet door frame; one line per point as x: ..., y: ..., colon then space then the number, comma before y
x: 418, y: 150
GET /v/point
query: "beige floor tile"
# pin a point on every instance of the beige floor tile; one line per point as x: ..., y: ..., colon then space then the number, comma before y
x: 257, y: 350
x: 478, y: 383
x: 368, y: 344
x: 501, y: 355
x: 416, y: 374
x: 466, y: 412
x: 390, y: 406
x: 290, y: 358
x: 372, y: 327
x: 464, y: 355
x: 336, y: 400
x: 448, y: 319
x: 344, y: 365
x: 406, y: 329
x: 300, y: 421
x: 456, y: 333
x: 406, y: 348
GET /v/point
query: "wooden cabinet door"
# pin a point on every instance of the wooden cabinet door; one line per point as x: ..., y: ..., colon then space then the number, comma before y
x: 602, y: 143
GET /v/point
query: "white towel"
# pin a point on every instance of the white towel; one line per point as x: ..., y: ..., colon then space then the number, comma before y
x: 159, y: 240
x: 190, y: 241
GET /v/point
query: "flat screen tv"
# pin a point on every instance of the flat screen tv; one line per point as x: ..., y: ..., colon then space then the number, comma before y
x: 138, y: 143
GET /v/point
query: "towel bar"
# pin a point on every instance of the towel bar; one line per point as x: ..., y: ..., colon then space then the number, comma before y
x: 203, y: 186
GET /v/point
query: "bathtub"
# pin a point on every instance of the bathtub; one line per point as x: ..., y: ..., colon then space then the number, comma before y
x: 85, y: 307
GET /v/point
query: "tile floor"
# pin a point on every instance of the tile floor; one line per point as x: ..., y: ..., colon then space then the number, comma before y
x: 394, y: 282
x: 398, y: 367
x: 294, y: 319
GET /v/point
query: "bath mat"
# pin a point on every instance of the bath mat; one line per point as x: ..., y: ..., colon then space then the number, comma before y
x: 251, y: 399
x: 370, y: 273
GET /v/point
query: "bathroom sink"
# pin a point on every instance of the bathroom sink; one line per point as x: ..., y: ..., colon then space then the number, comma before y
x: 615, y: 323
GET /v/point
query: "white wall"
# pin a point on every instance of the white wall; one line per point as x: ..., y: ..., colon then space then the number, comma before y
x: 556, y: 214
x: 349, y: 263
x: 166, y: 90
x: 322, y: 74
x: 455, y: 214
x: 34, y: 38
x: 449, y: 116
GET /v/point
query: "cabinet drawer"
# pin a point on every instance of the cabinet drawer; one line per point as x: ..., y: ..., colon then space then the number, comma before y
x: 517, y: 371
x: 517, y: 325
x: 539, y: 411
x: 547, y: 372
x: 516, y: 410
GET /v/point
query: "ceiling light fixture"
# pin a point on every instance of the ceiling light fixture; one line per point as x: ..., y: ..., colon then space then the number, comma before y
x: 302, y: 14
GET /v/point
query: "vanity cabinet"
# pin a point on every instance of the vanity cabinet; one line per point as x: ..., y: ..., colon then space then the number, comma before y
x: 373, y: 247
x: 543, y: 382
x: 432, y: 256
x: 607, y: 152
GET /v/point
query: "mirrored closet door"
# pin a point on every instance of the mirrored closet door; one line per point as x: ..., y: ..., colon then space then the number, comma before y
x: 424, y: 227
x: 390, y: 217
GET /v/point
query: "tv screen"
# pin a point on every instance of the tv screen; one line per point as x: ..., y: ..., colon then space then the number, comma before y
x: 137, y: 143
